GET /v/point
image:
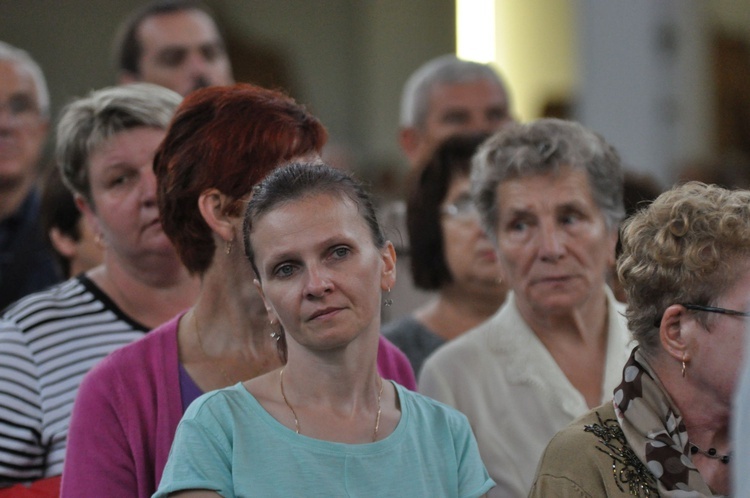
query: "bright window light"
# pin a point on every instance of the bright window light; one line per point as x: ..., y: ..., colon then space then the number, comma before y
x: 475, y: 30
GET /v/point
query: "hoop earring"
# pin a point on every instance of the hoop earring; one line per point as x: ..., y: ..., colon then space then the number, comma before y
x: 388, y: 301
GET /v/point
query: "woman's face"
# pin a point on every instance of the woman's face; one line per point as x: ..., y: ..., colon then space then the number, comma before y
x: 123, y: 190
x: 553, y: 244
x: 468, y: 252
x: 321, y: 274
x: 722, y: 342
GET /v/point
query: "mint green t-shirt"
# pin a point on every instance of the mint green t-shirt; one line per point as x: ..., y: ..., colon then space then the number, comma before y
x: 228, y: 443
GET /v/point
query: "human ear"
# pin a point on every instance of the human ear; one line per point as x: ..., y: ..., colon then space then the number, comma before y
x: 62, y: 243
x: 212, y: 206
x: 273, y: 318
x: 674, y: 334
x: 126, y: 77
x: 90, y: 217
x: 410, y: 141
x: 388, y: 279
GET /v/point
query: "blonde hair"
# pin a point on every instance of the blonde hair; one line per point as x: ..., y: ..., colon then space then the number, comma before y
x: 683, y: 248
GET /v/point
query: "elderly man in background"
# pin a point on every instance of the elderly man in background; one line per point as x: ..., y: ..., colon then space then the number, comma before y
x: 448, y: 96
x: 172, y: 43
x: 26, y: 261
x: 444, y: 97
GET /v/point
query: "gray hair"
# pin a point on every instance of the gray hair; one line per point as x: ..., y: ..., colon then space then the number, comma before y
x: 541, y: 147
x: 444, y: 70
x: 21, y: 57
x: 87, y: 122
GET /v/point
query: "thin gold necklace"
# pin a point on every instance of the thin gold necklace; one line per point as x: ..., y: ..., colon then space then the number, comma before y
x: 296, y: 420
x: 214, y: 360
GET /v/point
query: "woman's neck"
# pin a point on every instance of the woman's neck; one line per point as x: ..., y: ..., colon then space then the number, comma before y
x: 708, y: 426
x: 226, y: 337
x: 585, y: 324
x: 457, y: 310
x: 150, y: 298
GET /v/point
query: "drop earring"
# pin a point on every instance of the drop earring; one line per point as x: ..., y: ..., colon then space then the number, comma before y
x: 388, y: 301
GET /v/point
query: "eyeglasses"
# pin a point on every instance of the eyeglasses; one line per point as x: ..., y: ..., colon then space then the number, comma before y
x: 712, y: 309
x: 462, y: 209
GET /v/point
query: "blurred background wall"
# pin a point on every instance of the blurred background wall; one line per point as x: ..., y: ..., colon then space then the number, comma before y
x: 666, y: 81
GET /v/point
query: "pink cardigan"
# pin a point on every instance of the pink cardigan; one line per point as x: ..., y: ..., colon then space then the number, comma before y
x: 127, y: 410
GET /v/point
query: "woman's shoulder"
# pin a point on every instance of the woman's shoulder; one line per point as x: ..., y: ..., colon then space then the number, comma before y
x: 136, y: 371
x: 425, y: 409
x: 582, y: 457
x: 226, y: 403
x: 49, y: 303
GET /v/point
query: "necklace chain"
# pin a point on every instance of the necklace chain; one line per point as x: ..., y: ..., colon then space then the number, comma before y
x: 711, y: 453
x: 296, y: 419
x: 205, y: 355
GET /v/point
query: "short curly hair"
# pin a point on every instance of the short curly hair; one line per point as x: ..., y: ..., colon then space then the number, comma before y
x: 683, y: 248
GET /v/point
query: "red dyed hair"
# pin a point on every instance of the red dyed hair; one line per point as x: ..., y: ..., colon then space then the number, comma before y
x: 228, y: 138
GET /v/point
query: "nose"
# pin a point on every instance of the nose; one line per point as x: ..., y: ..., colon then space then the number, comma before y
x: 551, y: 247
x: 318, y: 282
x: 148, y: 186
x: 7, y: 118
x: 197, y: 66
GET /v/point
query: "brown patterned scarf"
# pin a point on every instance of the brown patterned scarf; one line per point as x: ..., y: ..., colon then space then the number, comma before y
x: 655, y: 431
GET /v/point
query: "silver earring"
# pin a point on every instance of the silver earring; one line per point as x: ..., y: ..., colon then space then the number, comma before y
x: 229, y: 246
x: 388, y: 301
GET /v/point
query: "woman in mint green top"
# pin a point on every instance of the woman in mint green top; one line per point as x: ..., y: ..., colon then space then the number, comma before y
x: 325, y: 424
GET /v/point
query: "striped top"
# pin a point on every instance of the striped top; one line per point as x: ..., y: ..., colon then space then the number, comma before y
x: 49, y: 341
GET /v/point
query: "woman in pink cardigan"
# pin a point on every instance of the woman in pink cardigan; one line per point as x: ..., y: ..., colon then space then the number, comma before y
x: 221, y: 142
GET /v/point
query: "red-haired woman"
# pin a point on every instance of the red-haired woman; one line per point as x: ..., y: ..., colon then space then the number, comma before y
x: 222, y: 141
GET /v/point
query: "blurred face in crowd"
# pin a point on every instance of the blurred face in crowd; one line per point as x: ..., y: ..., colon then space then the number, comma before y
x: 182, y: 51
x: 22, y: 127
x: 457, y: 108
x: 469, y: 254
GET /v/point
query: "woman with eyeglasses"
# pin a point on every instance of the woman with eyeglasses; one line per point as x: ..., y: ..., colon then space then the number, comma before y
x: 549, y: 194
x: 450, y: 254
x: 685, y: 268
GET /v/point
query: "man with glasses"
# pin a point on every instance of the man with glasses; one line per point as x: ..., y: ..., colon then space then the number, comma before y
x: 26, y: 261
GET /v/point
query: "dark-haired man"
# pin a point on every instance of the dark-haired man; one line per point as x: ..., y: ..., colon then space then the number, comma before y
x: 175, y: 44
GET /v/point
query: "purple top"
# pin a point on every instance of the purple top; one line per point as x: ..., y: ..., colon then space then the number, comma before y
x: 189, y: 390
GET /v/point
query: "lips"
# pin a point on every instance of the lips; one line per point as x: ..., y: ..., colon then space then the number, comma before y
x: 553, y: 279
x: 156, y: 223
x: 488, y: 255
x: 325, y: 313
